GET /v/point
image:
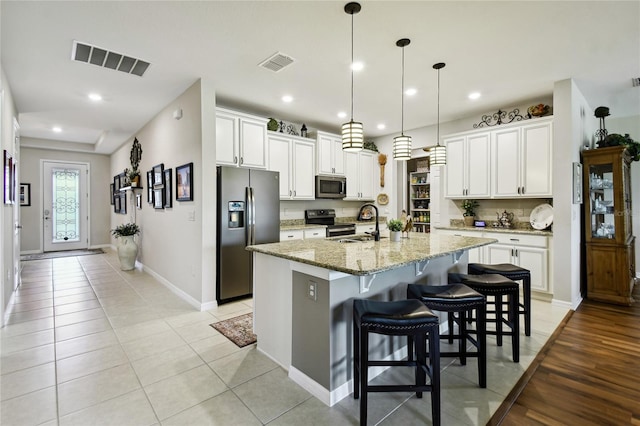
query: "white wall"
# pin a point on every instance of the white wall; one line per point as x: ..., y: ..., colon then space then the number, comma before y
x: 172, y: 245
x: 573, y: 127
x: 8, y: 213
x: 630, y: 125
x: 31, y: 239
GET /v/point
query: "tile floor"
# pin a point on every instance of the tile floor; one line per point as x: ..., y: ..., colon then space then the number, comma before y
x: 87, y: 343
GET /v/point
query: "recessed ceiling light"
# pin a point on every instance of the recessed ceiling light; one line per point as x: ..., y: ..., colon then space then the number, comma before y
x: 357, y: 66
x: 411, y: 92
x: 381, y: 126
x: 95, y: 97
x: 342, y: 114
x: 287, y: 98
x: 57, y: 129
x: 474, y: 95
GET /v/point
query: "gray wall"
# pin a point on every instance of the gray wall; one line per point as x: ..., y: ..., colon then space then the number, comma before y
x: 31, y: 238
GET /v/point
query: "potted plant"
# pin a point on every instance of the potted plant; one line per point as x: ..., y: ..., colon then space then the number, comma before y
x: 134, y: 177
x: 127, y: 247
x: 395, y: 229
x: 469, y: 214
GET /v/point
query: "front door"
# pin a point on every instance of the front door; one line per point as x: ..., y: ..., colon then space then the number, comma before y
x: 65, y: 202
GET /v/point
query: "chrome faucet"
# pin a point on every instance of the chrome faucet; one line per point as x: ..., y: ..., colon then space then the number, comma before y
x: 375, y: 234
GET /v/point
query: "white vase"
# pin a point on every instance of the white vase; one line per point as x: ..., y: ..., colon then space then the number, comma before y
x: 395, y: 235
x: 127, y: 252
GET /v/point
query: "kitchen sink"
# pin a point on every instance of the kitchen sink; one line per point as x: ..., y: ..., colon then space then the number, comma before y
x: 357, y: 239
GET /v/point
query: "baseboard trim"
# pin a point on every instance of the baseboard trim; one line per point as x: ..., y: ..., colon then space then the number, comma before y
x: 177, y: 291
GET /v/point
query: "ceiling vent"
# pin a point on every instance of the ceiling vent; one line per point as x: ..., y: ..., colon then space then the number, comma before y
x: 635, y: 82
x: 89, y: 54
x: 277, y: 62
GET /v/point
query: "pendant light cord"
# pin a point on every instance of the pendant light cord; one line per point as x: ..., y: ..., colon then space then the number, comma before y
x: 351, y: 66
x: 402, y: 97
x: 438, y: 125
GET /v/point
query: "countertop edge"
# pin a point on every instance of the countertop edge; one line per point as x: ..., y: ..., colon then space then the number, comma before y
x: 498, y: 230
x: 371, y: 271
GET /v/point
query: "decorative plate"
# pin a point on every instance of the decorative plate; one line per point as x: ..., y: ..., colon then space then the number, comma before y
x: 541, y: 216
x: 383, y: 199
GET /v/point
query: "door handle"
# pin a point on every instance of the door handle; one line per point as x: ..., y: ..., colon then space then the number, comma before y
x: 18, y: 226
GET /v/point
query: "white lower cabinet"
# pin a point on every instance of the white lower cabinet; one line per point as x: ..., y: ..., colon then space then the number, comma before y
x: 527, y: 251
x: 294, y: 234
x: 315, y: 233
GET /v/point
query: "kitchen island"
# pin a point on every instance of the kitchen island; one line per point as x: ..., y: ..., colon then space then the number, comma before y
x: 303, y: 293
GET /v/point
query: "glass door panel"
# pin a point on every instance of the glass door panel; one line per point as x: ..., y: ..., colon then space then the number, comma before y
x: 601, y: 197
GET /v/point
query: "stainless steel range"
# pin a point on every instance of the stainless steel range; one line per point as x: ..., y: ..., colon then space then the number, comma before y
x: 328, y: 217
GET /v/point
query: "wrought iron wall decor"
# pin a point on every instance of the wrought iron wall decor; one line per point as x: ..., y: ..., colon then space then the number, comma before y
x: 502, y: 117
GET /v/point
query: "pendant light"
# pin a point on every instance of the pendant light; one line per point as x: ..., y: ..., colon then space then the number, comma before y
x: 438, y: 154
x: 402, y: 143
x: 352, y: 132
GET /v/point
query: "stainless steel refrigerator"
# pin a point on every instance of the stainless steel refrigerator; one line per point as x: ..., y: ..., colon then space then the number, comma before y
x: 248, y: 213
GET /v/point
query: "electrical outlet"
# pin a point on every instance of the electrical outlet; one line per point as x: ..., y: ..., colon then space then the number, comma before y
x: 313, y: 291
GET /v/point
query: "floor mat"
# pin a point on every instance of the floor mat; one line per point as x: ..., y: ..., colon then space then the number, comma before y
x: 237, y: 329
x: 54, y: 254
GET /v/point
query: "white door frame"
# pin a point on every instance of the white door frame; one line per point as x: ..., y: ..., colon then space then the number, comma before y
x: 16, y: 206
x: 84, y: 206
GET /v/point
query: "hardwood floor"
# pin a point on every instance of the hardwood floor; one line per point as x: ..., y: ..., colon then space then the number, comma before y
x: 587, y: 374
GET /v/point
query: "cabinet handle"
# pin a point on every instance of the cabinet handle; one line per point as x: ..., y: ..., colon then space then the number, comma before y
x: 523, y: 190
x: 294, y: 193
x: 289, y: 236
x: 516, y: 252
x: 235, y: 159
x: 512, y: 255
x: 241, y: 160
x: 514, y: 239
x: 519, y: 191
x: 289, y: 192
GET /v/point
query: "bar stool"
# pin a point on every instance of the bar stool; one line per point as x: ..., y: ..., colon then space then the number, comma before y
x: 514, y: 273
x: 397, y: 318
x: 458, y: 299
x: 497, y: 286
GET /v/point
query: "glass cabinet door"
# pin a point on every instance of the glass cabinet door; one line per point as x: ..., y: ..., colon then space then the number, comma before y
x: 601, y: 197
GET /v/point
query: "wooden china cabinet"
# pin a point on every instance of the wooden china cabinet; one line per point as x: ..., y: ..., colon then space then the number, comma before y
x: 608, y: 236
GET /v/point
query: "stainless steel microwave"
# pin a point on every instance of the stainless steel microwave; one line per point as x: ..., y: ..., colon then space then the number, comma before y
x: 331, y: 187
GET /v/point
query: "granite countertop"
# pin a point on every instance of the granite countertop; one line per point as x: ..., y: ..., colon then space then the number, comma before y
x: 369, y: 257
x: 543, y: 233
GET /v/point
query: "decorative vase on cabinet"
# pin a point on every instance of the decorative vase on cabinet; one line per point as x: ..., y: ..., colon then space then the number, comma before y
x: 609, y: 241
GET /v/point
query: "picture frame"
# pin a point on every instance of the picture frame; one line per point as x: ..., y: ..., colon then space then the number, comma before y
x: 158, y: 202
x: 167, y: 188
x: 7, y: 177
x: 112, y: 194
x: 158, y: 175
x: 577, y: 183
x: 116, y: 204
x: 25, y: 194
x: 184, y: 182
x: 139, y: 201
x: 116, y: 184
x: 123, y: 203
x: 123, y: 181
x: 150, y: 187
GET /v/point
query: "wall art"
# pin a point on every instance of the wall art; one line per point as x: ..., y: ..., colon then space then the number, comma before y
x: 25, y: 194
x: 168, y: 203
x: 184, y: 182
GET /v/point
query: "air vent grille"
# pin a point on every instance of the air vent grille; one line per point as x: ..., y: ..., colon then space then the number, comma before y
x: 83, y: 52
x: 635, y: 82
x: 277, y: 62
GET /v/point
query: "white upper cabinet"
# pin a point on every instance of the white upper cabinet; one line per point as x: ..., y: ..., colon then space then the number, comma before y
x: 467, y: 169
x: 507, y: 161
x: 521, y: 163
x: 294, y: 158
x: 240, y: 139
x: 330, y: 154
x: 359, y: 171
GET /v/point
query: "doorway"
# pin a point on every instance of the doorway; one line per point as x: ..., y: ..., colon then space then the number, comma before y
x: 65, y: 206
